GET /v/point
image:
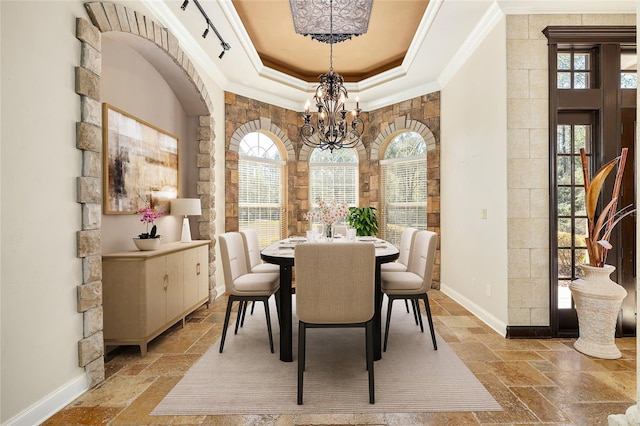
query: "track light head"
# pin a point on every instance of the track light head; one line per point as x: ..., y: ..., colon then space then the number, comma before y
x: 221, y: 54
x: 185, y: 3
x: 206, y: 31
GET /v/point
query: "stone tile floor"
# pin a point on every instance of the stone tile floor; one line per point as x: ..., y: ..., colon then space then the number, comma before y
x: 535, y: 381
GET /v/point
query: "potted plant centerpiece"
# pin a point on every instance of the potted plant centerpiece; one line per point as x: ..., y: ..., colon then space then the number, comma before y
x: 364, y: 220
x: 149, y: 240
x: 597, y: 298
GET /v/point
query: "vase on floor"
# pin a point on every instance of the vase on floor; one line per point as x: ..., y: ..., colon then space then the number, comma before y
x: 598, y: 300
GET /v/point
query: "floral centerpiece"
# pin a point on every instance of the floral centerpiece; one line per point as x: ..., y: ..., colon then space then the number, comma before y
x: 329, y: 212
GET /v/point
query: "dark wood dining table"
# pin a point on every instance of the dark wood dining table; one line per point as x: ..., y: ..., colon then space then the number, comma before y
x: 281, y: 253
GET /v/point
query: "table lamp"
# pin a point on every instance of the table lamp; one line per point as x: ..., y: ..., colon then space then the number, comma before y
x: 186, y: 207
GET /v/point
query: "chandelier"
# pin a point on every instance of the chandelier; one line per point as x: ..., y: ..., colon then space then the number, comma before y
x: 332, y: 129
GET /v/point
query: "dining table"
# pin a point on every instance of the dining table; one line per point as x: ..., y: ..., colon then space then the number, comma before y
x: 282, y: 253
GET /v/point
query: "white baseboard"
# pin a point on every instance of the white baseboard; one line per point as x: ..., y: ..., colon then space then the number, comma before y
x: 50, y: 404
x: 499, y: 326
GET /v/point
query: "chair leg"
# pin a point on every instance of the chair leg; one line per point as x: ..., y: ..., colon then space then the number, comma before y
x: 386, y: 329
x: 253, y: 305
x: 416, y: 310
x: 369, y: 333
x: 240, y: 310
x: 226, y: 323
x: 416, y: 302
x: 268, y: 317
x: 301, y: 357
x: 430, y: 319
x: 244, y: 311
x: 406, y: 304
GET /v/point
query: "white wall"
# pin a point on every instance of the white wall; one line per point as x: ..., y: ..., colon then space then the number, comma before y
x: 133, y: 85
x: 474, y: 178
x: 40, y: 271
x: 39, y: 166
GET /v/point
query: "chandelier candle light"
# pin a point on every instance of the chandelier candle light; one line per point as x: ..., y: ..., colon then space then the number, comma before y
x: 332, y: 130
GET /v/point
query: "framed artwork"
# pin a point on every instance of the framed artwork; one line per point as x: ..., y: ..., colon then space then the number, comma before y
x: 140, y: 163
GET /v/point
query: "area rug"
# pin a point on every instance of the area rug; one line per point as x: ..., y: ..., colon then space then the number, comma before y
x: 248, y: 379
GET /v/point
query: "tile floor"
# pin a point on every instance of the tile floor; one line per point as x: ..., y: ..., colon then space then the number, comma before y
x: 535, y: 381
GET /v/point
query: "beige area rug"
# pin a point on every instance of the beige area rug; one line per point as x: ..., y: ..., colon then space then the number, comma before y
x: 248, y: 379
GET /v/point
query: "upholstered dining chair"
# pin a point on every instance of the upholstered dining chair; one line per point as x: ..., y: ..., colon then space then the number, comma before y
x: 340, y: 230
x: 244, y: 286
x: 400, y: 265
x: 252, y: 253
x: 414, y: 282
x: 335, y: 288
x: 254, y: 263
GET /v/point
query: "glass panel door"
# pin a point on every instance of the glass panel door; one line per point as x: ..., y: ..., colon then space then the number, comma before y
x: 574, y: 131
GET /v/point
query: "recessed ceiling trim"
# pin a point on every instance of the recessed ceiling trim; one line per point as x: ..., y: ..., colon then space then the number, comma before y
x: 490, y: 19
x: 245, y: 41
x: 421, y: 33
x: 166, y: 16
x: 537, y: 7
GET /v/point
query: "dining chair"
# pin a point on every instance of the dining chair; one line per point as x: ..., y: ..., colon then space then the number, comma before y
x: 400, y: 265
x: 340, y: 230
x: 242, y: 285
x: 254, y: 262
x: 413, y: 283
x: 252, y: 253
x: 335, y: 288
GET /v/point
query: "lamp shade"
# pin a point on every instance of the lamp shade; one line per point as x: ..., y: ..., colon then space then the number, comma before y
x: 186, y: 207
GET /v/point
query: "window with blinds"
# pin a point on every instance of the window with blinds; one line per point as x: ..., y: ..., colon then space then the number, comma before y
x: 261, y: 188
x: 403, y: 173
x: 333, y: 176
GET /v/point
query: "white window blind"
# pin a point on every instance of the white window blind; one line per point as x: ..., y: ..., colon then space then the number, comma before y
x: 261, y: 189
x: 333, y: 176
x: 404, y: 196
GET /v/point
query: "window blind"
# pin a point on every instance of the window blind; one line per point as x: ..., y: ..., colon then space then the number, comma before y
x: 260, y: 198
x: 404, y: 196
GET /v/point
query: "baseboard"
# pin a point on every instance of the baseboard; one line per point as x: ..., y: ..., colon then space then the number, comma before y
x: 482, y: 314
x: 528, y: 332
x: 50, y: 404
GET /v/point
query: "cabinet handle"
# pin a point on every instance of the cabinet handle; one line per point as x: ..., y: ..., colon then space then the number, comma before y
x: 166, y: 282
x: 198, y: 269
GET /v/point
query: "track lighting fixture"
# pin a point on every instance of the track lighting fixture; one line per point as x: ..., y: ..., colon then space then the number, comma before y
x: 225, y: 45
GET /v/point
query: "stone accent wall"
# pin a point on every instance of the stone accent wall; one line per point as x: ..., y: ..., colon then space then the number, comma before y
x: 89, y: 140
x: 421, y: 114
x: 528, y: 160
x: 115, y: 17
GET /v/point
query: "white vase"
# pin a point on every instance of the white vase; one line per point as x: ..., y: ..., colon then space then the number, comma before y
x: 147, y: 243
x: 598, y: 300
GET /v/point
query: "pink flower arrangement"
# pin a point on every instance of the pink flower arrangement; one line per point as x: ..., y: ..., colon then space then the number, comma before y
x: 148, y: 216
x: 329, y: 212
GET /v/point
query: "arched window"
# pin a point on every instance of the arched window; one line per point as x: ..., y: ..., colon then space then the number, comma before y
x: 261, y: 187
x: 403, y: 172
x: 333, y: 176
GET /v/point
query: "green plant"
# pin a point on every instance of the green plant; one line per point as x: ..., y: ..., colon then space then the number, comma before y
x: 364, y: 220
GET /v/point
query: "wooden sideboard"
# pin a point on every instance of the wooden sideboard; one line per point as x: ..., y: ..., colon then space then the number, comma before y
x: 146, y: 292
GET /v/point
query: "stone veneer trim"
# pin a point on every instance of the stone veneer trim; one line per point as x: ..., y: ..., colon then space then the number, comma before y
x: 115, y: 17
